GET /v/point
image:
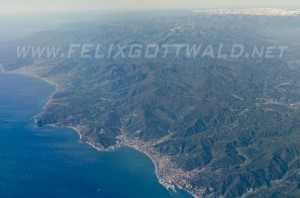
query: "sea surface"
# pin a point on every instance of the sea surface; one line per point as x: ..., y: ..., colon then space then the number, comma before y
x: 50, y: 162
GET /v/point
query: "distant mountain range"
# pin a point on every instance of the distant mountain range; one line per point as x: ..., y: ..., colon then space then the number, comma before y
x: 254, y: 11
x: 215, y: 127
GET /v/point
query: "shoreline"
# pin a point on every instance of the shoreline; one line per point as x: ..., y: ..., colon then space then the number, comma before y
x: 170, y: 186
x: 94, y: 146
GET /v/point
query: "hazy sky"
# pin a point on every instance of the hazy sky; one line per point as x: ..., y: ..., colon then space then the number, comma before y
x: 24, y: 6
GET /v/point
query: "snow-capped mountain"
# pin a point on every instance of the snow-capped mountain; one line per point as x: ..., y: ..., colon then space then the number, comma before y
x: 255, y: 11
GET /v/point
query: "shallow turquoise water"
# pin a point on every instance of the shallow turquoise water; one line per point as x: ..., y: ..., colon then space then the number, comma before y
x: 51, y: 162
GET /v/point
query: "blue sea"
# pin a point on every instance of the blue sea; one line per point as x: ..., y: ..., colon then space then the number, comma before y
x: 51, y: 163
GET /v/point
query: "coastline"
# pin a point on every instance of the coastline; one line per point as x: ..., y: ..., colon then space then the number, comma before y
x: 169, y: 185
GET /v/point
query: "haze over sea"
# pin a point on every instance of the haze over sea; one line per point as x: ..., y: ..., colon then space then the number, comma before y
x: 51, y: 162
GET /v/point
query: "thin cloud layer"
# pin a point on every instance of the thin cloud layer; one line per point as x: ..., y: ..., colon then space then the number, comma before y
x: 31, y: 6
